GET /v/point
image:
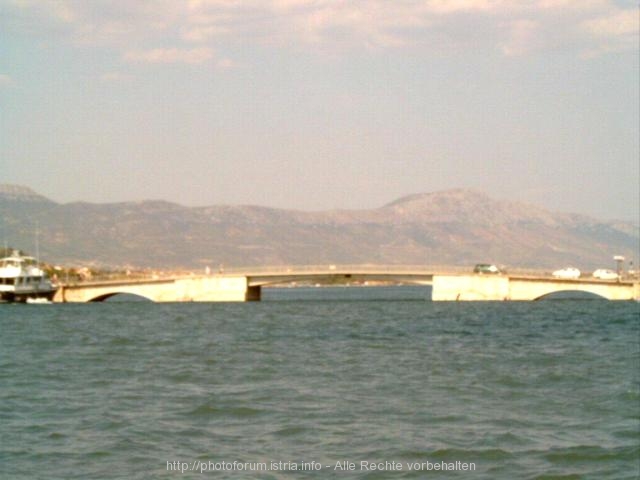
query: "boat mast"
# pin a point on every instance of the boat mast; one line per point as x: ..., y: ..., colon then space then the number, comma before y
x: 37, y: 244
x: 4, y: 238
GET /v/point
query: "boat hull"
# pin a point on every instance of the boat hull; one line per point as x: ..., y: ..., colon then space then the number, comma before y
x: 22, y: 297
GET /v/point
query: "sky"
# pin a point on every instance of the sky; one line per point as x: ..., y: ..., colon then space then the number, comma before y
x: 323, y: 104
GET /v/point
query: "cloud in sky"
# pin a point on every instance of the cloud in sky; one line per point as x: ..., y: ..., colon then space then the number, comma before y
x: 320, y: 103
x: 115, y: 77
x: 616, y: 30
x: 170, y: 55
x: 5, y: 80
x: 177, y: 31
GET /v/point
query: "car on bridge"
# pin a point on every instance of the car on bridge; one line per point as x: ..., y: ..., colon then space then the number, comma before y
x: 568, y: 273
x: 487, y: 268
x: 605, y: 274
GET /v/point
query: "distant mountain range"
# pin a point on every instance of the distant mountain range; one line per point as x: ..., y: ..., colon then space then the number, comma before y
x: 452, y: 227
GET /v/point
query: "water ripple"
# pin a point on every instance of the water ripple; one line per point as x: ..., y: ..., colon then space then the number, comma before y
x: 545, y: 390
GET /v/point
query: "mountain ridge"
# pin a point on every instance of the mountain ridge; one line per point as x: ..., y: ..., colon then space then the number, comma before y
x: 450, y: 227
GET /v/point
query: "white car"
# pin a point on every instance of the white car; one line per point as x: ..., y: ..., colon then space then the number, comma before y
x: 605, y: 274
x: 567, y: 273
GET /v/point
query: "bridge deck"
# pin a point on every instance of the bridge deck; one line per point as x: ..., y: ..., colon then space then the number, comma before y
x: 270, y: 275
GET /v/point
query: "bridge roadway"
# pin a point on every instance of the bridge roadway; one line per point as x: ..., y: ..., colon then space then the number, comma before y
x: 449, y: 284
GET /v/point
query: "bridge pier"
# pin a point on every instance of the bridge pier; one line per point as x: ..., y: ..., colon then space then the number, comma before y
x: 470, y: 287
x: 503, y: 287
x: 254, y: 293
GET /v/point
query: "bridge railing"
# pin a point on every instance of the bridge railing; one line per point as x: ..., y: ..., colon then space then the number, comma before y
x: 342, y: 268
x: 373, y: 269
x: 309, y: 269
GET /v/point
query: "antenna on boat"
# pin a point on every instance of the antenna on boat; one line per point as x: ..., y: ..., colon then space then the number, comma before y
x: 4, y: 238
x: 37, y: 243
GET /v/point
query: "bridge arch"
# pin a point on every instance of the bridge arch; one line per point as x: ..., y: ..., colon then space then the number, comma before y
x: 521, y: 288
x: 100, y: 293
x: 579, y: 294
x: 524, y: 289
x: 106, y: 296
x: 183, y: 289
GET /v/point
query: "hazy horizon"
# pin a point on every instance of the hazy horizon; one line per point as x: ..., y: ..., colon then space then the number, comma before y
x: 318, y: 105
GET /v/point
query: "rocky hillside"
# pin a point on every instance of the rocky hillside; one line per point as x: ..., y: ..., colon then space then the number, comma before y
x: 454, y: 227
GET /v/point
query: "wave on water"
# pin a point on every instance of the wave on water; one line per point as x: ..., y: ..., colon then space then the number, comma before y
x: 544, y: 390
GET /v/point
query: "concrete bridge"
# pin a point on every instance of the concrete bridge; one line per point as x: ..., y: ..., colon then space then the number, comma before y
x: 449, y: 284
x: 511, y: 287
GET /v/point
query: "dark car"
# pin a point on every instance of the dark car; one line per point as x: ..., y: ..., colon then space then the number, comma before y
x: 486, y: 268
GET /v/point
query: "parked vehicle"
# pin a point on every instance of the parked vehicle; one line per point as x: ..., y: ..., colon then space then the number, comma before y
x: 567, y: 273
x: 486, y: 268
x: 605, y: 274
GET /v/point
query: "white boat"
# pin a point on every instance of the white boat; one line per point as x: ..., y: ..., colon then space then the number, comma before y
x: 22, y: 279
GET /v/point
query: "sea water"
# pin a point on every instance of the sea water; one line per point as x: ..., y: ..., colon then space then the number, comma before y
x: 321, y: 383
